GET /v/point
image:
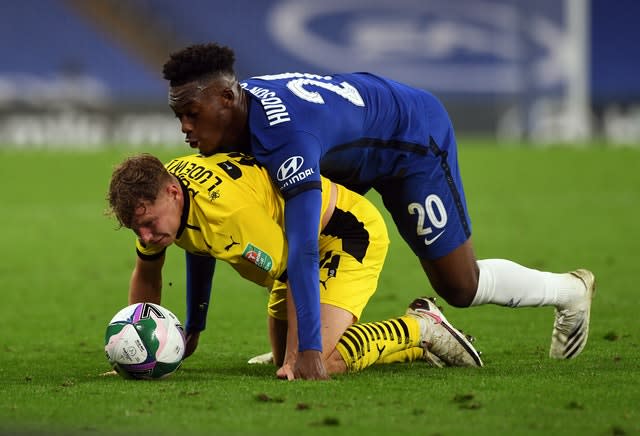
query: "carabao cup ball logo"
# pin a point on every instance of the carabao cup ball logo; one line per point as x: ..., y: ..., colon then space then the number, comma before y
x: 289, y: 167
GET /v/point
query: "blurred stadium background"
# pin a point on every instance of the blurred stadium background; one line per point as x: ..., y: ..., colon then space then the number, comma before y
x: 86, y: 74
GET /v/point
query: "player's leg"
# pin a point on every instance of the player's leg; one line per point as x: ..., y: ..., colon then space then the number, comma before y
x: 349, y: 347
x: 507, y: 283
x: 504, y: 282
x: 349, y: 272
x: 409, y: 355
x: 364, y: 344
x: 454, y: 276
x: 353, y: 347
x: 336, y: 320
x: 498, y: 281
x: 353, y: 247
x: 430, y: 211
x: 423, y: 333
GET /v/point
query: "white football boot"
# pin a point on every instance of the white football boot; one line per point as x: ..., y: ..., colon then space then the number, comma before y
x: 440, y: 338
x: 432, y: 359
x: 571, y: 327
x: 262, y: 359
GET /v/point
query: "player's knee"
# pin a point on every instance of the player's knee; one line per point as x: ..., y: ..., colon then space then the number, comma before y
x: 455, y: 276
x: 460, y: 293
x: 458, y: 299
x: 334, y: 363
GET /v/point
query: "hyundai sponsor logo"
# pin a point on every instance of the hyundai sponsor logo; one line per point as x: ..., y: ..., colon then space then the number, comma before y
x: 289, y: 167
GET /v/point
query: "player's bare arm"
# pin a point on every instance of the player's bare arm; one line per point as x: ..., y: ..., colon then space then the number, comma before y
x: 291, y: 348
x: 146, y: 281
x: 278, y: 336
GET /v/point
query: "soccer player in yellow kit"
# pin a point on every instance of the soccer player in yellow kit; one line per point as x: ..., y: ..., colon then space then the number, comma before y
x: 227, y: 207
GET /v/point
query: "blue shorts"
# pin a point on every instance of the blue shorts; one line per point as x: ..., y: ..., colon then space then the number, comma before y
x: 427, y: 201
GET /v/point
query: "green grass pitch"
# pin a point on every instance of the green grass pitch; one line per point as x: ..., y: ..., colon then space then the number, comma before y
x: 65, y: 272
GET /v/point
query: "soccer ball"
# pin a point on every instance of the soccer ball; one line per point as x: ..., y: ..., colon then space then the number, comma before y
x: 144, y: 341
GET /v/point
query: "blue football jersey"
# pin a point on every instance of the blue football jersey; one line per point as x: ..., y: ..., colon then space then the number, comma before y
x: 363, y: 131
x: 359, y: 127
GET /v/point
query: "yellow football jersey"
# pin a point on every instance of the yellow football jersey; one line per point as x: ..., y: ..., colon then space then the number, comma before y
x: 232, y: 212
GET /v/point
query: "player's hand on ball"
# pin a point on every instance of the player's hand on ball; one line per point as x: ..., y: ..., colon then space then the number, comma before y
x: 191, y: 343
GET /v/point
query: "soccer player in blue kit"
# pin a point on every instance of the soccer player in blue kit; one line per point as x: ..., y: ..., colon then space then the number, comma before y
x: 362, y: 131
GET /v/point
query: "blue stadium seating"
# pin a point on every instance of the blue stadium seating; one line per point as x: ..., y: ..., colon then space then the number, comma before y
x: 48, y: 39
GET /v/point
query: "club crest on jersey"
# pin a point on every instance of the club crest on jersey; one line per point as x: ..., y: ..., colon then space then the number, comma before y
x: 214, y: 195
x: 258, y: 257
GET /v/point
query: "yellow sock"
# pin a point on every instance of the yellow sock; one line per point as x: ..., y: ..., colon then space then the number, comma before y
x: 404, y: 356
x: 362, y: 345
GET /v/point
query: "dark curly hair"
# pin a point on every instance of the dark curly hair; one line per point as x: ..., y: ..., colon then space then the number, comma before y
x: 198, y: 61
x: 137, y: 179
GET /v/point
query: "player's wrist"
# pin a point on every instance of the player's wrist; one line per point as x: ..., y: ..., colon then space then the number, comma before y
x: 310, y: 353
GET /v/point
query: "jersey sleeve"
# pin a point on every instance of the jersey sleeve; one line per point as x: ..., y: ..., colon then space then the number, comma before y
x: 200, y: 271
x: 302, y: 217
x: 149, y: 251
x: 290, y: 147
x: 292, y: 158
x: 294, y: 163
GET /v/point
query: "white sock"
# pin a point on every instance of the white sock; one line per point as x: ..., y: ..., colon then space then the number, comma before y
x: 508, y: 284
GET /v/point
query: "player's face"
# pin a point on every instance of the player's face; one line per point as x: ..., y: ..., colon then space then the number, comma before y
x: 205, y: 111
x: 158, y: 222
